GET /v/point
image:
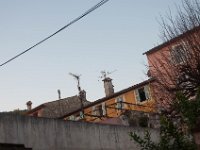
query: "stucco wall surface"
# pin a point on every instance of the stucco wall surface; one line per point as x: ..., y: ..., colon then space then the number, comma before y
x: 52, y: 134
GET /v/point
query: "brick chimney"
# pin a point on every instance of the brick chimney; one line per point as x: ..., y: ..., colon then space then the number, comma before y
x: 29, y: 105
x: 108, y: 86
x: 84, y: 95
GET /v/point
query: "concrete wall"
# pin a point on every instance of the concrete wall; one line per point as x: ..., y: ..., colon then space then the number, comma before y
x: 52, y: 134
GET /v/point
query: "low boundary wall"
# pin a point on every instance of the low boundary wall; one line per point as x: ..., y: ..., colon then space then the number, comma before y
x: 53, y: 134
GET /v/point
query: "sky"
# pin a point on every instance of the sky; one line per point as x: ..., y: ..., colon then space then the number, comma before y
x: 113, y: 37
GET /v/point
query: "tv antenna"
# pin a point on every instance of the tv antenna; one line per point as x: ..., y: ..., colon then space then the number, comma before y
x: 77, y: 77
x: 104, y: 74
x: 81, y: 94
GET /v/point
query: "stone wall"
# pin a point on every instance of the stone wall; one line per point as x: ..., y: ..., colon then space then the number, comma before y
x: 141, y: 119
x: 52, y: 134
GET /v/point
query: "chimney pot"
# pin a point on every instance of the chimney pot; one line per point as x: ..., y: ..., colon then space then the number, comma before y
x: 59, y: 94
x: 29, y: 105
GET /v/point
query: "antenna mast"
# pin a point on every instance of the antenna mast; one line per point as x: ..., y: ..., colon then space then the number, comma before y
x: 104, y: 74
x: 81, y: 93
x: 77, y: 77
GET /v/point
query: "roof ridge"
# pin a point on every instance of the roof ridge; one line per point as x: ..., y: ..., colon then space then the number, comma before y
x: 63, y: 99
x: 162, y: 45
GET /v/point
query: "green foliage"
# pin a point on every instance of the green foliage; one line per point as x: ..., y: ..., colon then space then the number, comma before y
x: 175, y: 132
x: 146, y: 143
x: 188, y: 109
x: 143, y: 121
x: 172, y: 137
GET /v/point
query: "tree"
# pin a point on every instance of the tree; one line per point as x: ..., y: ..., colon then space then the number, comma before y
x: 177, y: 74
x: 175, y: 133
x: 178, y: 68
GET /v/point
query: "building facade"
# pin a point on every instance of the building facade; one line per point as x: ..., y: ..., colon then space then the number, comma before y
x: 135, y: 98
x: 174, y: 66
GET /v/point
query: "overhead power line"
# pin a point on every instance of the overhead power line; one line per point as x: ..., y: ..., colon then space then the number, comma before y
x: 61, y: 29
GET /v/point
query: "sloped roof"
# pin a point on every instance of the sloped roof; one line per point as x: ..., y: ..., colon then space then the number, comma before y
x: 60, y: 107
x: 173, y: 40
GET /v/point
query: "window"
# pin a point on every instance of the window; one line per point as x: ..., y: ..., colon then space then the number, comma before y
x: 72, y: 117
x: 142, y: 94
x: 119, y: 101
x: 178, y: 54
x: 99, y: 110
x: 81, y: 115
x: 104, y: 109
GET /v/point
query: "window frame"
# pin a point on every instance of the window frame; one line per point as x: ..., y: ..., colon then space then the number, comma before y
x: 147, y: 94
x: 118, y: 100
x: 99, y: 110
x: 178, y: 53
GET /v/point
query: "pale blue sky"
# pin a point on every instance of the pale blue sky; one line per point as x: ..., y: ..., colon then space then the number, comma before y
x: 112, y: 37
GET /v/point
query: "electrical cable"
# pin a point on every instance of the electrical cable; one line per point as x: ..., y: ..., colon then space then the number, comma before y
x: 61, y: 29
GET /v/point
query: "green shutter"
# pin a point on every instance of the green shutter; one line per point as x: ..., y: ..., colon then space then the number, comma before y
x: 81, y: 115
x: 118, y: 103
x: 121, y: 104
x: 137, y: 95
x: 104, y: 108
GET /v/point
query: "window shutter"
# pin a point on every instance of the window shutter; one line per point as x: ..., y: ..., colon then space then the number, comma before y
x: 146, y: 90
x: 104, y: 108
x: 137, y: 95
x: 94, y: 110
x: 122, y: 100
x: 81, y: 115
x: 119, y: 101
x: 116, y: 101
x: 72, y: 117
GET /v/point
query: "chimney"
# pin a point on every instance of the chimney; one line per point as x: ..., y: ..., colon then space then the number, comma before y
x: 29, y: 105
x: 108, y: 86
x: 59, y: 94
x: 83, y: 95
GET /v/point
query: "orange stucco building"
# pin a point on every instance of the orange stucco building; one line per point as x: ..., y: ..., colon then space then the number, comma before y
x: 137, y: 98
